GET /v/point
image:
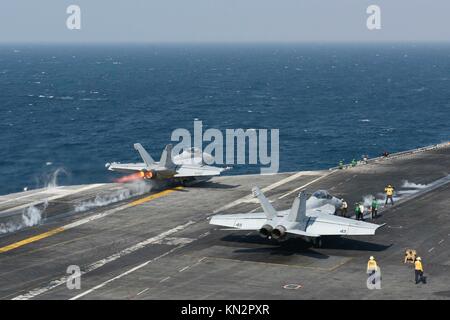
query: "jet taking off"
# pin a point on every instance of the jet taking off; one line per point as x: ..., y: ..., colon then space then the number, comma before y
x: 183, y: 170
x: 311, y: 224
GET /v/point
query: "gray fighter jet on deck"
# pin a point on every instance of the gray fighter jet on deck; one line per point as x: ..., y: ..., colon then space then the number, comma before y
x: 184, y: 169
x: 311, y: 224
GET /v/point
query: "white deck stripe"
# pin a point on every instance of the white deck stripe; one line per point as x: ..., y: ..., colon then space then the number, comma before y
x: 125, y: 273
x: 94, y: 266
x: 304, y: 186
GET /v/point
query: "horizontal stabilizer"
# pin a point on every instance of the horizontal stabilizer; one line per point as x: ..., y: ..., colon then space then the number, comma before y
x: 242, y: 221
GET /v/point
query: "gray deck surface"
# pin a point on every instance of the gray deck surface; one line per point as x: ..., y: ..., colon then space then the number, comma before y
x: 180, y: 256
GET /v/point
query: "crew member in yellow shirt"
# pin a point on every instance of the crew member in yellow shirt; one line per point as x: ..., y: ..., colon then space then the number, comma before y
x: 389, y: 190
x: 418, y: 270
x: 372, y: 267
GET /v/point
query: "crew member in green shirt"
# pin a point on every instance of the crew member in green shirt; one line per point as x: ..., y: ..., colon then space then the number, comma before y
x: 374, y: 208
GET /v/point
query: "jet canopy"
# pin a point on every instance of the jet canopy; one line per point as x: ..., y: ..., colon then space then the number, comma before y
x: 322, y: 194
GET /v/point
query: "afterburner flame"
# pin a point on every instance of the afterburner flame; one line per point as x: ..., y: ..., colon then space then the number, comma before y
x: 130, y: 178
x: 147, y: 174
x: 135, y: 176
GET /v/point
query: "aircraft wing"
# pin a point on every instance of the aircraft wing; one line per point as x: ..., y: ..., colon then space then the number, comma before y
x: 197, y: 171
x: 242, y: 221
x: 302, y: 233
x: 126, y: 167
x: 327, y: 209
x: 324, y: 224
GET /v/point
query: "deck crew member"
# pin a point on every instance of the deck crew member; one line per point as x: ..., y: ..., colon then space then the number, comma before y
x: 389, y: 190
x: 357, y: 211
x: 418, y: 271
x: 374, y: 208
x: 372, y: 267
x: 361, y: 210
x: 344, y: 207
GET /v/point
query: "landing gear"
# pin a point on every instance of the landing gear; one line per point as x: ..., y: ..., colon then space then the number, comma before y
x: 317, y: 242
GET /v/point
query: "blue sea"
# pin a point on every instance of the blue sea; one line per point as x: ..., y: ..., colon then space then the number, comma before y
x: 77, y: 107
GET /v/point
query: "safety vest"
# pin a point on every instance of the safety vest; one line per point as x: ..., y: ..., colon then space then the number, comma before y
x: 372, y: 265
x: 389, y: 191
x: 418, y: 265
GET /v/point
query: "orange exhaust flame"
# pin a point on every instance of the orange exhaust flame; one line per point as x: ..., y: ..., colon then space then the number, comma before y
x: 135, y: 176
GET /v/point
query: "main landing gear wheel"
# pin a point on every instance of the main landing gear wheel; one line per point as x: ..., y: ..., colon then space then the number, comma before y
x: 317, y: 242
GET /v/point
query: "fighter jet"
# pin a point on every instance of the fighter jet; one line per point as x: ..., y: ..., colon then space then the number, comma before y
x: 311, y: 224
x: 185, y: 169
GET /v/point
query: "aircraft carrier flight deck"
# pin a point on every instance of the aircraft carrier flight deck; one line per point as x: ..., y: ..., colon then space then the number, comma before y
x: 160, y: 245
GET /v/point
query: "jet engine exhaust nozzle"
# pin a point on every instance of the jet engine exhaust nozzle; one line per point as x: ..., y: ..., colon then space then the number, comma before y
x: 266, y: 231
x: 146, y: 174
x: 279, y: 232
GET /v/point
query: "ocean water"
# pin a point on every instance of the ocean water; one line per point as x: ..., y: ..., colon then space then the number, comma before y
x: 75, y: 108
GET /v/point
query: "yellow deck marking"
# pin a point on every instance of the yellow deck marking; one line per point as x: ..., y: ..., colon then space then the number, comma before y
x: 31, y: 239
x: 61, y: 229
x: 153, y: 196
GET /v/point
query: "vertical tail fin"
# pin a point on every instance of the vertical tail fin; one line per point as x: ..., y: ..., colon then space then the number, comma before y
x: 298, y: 210
x: 166, y: 158
x: 265, y: 204
x: 144, y: 154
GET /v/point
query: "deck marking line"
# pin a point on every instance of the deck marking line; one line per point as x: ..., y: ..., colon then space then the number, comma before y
x: 304, y: 186
x: 139, y: 293
x: 101, y: 285
x: 31, y: 239
x: 86, y: 220
x: 94, y: 266
x: 184, y: 269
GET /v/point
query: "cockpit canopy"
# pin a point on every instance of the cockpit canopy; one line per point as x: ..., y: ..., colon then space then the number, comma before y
x: 322, y: 194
